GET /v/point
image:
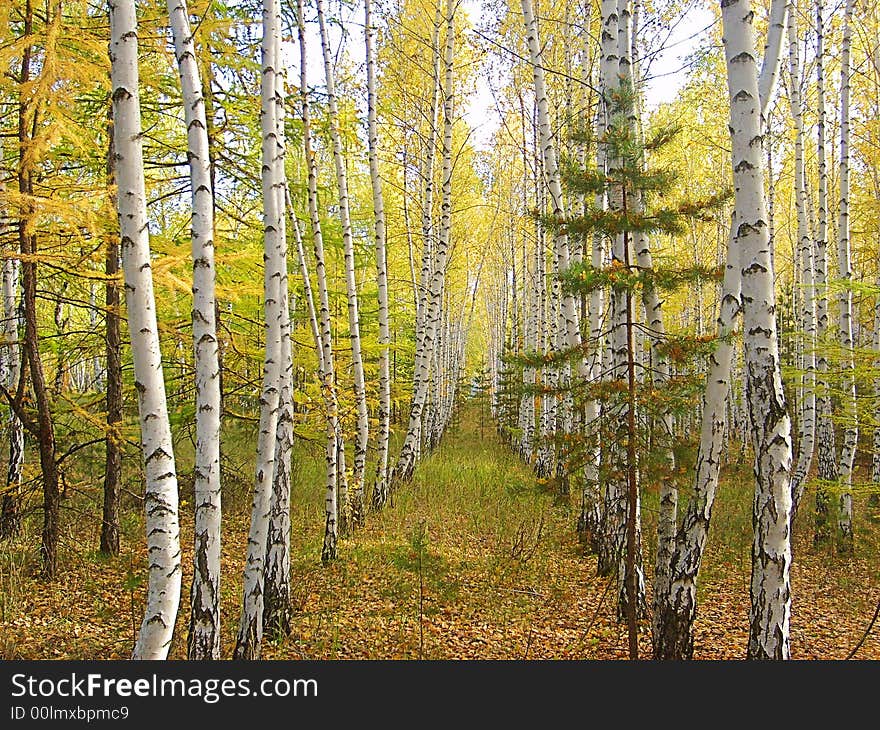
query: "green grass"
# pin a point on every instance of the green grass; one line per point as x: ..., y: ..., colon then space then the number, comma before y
x: 473, y: 550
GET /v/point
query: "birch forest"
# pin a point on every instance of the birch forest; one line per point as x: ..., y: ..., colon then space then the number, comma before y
x: 440, y: 329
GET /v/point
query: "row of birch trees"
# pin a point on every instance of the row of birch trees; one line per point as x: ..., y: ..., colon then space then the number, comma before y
x: 582, y: 255
x: 209, y: 132
x: 569, y: 350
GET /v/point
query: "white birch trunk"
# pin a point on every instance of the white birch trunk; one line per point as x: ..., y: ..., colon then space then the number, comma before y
x: 307, y: 286
x: 610, y: 546
x: 771, y: 428
x: 673, y: 627
x: 408, y: 454
x: 779, y: 17
x: 276, y: 582
x: 827, y: 453
x: 845, y: 303
x: 250, y: 631
x: 10, y: 370
x: 568, y: 327
x: 204, y: 629
x: 328, y: 387
x: 675, y: 614
x: 10, y: 510
x: 404, y: 171
x: 160, y: 496
x: 380, y: 486
x: 806, y: 445
x: 356, y: 490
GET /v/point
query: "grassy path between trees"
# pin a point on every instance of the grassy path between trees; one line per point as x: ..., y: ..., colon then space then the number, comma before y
x: 474, y: 560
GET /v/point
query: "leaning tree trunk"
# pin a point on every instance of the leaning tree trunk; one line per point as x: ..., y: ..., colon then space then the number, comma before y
x: 806, y: 445
x: 845, y: 316
x: 772, y: 61
x: 160, y: 499
x: 356, y: 490
x: 770, y: 425
x: 673, y: 634
x: 406, y: 461
x: 380, y: 486
x: 204, y: 627
x: 327, y: 370
x: 250, y: 631
x: 676, y: 611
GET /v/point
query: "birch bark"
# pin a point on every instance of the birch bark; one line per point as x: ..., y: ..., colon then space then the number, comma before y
x: 10, y: 512
x: 380, y: 486
x: 160, y: 497
x: 827, y: 452
x: 327, y: 374
x: 204, y: 628
x: 770, y: 425
x: 673, y: 628
x: 356, y: 489
x: 250, y: 631
x: 433, y: 312
x: 845, y: 302
x: 276, y: 582
x: 10, y: 372
x: 806, y: 445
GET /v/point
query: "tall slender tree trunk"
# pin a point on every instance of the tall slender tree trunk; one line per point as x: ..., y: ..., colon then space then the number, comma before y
x: 10, y: 507
x: 327, y: 373
x: 771, y: 428
x: 806, y: 444
x: 567, y: 325
x: 161, y: 498
x: 423, y: 353
x: 780, y: 10
x: 675, y: 613
x: 27, y: 238
x: 204, y: 628
x: 845, y: 303
x: 607, y: 551
x: 250, y: 632
x: 356, y: 488
x: 827, y: 453
x: 380, y: 486
x: 113, y: 335
x: 406, y: 461
x: 10, y: 372
x: 276, y: 585
x: 276, y: 582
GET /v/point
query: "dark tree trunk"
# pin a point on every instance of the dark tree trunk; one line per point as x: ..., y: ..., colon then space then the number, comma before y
x: 27, y: 122
x: 113, y: 464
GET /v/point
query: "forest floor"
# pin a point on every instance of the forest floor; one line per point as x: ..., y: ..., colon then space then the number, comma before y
x: 474, y: 560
